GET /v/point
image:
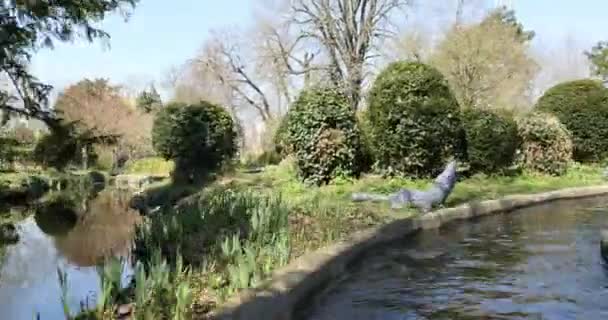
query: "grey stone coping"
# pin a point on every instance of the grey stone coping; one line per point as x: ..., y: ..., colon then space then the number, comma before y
x: 279, y: 297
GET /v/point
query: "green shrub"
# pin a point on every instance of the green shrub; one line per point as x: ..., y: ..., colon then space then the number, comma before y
x: 492, y: 140
x: 57, y: 150
x: 582, y: 106
x: 280, y: 138
x: 323, y: 131
x: 199, y: 137
x: 546, y: 144
x: 367, y: 153
x: 415, y: 120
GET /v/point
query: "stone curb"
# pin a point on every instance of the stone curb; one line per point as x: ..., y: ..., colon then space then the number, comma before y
x: 279, y: 297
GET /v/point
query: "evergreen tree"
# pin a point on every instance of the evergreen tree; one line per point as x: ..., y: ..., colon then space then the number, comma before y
x: 26, y: 26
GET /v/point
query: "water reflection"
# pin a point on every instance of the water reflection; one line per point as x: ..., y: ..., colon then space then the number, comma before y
x: 545, y: 265
x: 56, y: 217
x: 106, y: 229
x: 72, y: 232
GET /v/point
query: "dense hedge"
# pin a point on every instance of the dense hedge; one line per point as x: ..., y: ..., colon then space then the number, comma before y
x: 492, y: 140
x: 197, y: 137
x: 323, y: 132
x: 582, y: 106
x: 546, y: 144
x: 415, y: 120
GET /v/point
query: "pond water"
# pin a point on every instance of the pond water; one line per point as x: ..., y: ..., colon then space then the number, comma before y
x: 540, y: 263
x: 75, y: 239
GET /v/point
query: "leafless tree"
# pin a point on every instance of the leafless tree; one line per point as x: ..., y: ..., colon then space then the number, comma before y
x: 100, y: 107
x: 349, y: 31
x: 562, y: 62
x: 487, y: 64
x: 171, y: 77
x: 224, y: 57
x: 285, y: 57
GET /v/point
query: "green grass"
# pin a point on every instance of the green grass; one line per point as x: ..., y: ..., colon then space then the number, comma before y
x: 236, y: 231
x: 283, y: 177
x: 152, y: 166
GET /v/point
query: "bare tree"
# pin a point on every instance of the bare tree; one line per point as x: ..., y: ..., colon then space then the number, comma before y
x: 98, y: 106
x: 562, y: 62
x: 349, y: 31
x: 487, y: 64
x: 414, y: 44
x: 225, y: 57
x: 286, y: 58
x: 171, y: 77
x: 427, y: 24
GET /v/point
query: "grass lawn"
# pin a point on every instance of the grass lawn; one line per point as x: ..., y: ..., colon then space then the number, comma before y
x: 151, y: 166
x: 282, y: 178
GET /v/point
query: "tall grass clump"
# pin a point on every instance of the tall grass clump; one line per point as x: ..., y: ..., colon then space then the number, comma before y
x: 159, y: 291
x: 244, y: 235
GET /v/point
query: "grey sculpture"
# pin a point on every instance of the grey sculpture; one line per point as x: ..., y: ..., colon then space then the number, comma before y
x: 424, y: 200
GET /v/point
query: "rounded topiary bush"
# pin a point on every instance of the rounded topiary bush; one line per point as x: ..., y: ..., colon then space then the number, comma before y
x: 546, y: 144
x: 198, y: 137
x: 582, y: 106
x: 322, y: 130
x: 415, y: 120
x: 491, y: 139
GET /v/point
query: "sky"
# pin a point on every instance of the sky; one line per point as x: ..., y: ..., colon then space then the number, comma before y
x: 160, y: 34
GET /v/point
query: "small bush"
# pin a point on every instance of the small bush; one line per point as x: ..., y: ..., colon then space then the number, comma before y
x: 492, y: 140
x: 57, y: 150
x: 582, y: 106
x: 198, y: 137
x: 415, y: 120
x: 546, y: 144
x: 323, y: 131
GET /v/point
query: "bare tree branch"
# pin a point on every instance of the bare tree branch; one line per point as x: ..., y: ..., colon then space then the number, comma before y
x: 349, y: 31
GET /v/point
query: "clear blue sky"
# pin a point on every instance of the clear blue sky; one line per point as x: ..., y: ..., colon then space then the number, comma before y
x: 164, y: 33
x: 159, y: 34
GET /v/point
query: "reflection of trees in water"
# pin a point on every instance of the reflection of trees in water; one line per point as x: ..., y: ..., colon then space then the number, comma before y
x: 106, y: 228
x: 56, y: 217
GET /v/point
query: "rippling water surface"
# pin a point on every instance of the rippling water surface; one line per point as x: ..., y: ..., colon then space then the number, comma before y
x: 541, y: 263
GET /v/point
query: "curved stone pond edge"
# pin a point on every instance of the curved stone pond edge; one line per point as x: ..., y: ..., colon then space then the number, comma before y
x: 282, y: 295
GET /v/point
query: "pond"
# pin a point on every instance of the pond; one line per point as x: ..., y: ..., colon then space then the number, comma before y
x: 539, y: 263
x: 68, y: 235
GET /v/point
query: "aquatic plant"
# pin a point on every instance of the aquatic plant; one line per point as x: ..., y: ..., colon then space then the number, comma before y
x: 63, y: 284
